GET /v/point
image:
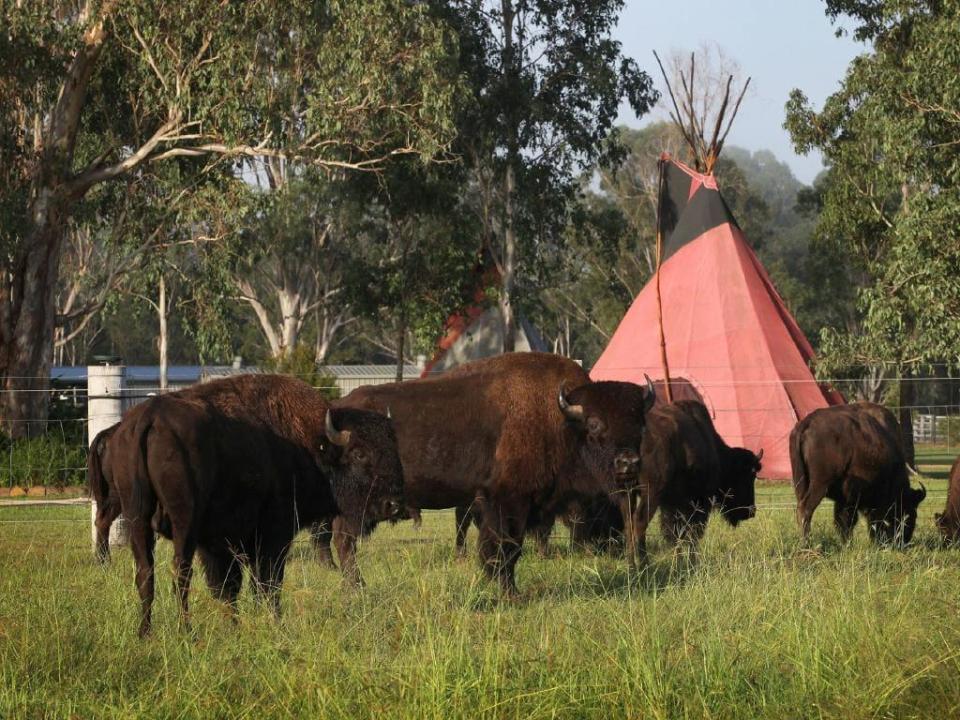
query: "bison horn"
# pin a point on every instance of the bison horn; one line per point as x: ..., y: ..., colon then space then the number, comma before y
x: 760, y: 455
x: 389, y: 416
x: 337, y: 437
x: 650, y: 397
x: 923, y: 493
x: 572, y: 412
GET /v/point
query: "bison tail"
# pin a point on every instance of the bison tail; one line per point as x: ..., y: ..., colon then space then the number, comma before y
x: 797, y: 462
x: 95, y: 479
x: 144, y: 500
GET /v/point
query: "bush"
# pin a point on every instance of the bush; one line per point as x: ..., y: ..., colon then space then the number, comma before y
x: 300, y: 363
x: 57, y: 458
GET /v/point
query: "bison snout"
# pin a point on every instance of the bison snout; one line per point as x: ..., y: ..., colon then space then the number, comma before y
x: 627, y: 463
x: 394, y: 509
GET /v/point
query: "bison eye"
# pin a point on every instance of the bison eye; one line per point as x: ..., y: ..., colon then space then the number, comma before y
x: 594, y: 425
x: 358, y: 455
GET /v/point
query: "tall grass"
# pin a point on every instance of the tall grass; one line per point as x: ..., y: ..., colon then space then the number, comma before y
x: 752, y: 626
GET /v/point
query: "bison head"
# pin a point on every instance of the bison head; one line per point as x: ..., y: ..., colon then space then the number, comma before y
x: 740, y: 476
x: 896, y: 526
x: 948, y: 526
x: 611, y: 418
x: 360, y: 449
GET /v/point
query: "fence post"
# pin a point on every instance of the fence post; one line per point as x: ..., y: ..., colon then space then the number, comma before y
x: 105, y: 386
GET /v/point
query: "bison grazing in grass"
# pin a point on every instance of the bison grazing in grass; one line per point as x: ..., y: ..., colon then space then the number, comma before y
x: 849, y: 454
x: 686, y: 471
x: 233, y: 468
x: 949, y: 520
x: 525, y: 432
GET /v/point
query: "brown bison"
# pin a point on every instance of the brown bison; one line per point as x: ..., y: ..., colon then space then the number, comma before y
x: 686, y: 472
x: 102, y: 492
x: 733, y: 492
x: 949, y: 520
x: 526, y: 432
x: 232, y: 469
x: 846, y: 454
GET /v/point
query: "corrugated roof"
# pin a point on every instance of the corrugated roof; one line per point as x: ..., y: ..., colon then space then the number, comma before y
x: 369, y: 371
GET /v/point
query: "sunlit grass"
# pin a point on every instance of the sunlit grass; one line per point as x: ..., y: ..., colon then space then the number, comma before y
x: 752, y: 626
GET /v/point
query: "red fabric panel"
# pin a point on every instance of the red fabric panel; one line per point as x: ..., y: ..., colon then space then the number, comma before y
x: 729, y: 333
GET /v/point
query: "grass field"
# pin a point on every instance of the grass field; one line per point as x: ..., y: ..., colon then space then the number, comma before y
x: 754, y: 626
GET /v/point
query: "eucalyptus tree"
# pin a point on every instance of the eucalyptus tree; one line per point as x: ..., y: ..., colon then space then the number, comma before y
x: 891, y: 200
x: 547, y: 79
x: 95, y: 90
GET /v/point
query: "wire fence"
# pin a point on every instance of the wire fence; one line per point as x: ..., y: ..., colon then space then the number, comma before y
x: 55, y: 453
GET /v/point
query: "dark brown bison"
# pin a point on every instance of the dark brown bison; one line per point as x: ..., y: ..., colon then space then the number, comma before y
x: 846, y: 454
x: 100, y: 484
x: 526, y: 432
x: 949, y: 520
x: 686, y: 472
x: 733, y: 493
x: 234, y: 468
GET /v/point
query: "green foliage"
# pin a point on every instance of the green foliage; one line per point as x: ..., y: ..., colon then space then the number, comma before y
x: 753, y: 626
x: 300, y: 363
x: 56, y: 458
x: 890, y: 205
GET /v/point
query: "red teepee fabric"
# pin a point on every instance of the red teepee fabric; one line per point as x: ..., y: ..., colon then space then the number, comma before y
x: 728, y: 332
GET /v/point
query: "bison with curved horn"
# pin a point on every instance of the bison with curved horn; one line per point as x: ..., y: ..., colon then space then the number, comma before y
x: 525, y: 432
x: 233, y: 468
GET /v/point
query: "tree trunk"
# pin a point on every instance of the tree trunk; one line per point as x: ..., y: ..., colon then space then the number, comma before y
x: 401, y: 340
x: 162, y: 314
x: 29, y: 315
x: 509, y: 187
x: 906, y: 416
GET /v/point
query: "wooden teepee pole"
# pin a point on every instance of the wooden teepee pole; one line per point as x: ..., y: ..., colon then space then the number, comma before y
x: 663, y: 341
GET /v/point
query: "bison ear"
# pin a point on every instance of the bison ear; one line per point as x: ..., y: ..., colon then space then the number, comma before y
x: 571, y: 412
x: 650, y: 395
x: 337, y: 437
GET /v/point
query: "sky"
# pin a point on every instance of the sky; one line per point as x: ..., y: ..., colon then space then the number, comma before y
x: 780, y: 44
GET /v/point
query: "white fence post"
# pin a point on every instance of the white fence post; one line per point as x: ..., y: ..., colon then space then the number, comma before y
x: 105, y: 386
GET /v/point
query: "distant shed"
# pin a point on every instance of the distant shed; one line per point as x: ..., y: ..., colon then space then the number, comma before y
x: 349, y: 377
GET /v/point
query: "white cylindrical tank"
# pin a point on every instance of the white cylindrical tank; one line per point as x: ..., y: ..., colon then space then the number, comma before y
x: 105, y: 390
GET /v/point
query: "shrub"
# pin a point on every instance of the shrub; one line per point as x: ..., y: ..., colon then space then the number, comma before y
x: 300, y: 363
x: 57, y: 458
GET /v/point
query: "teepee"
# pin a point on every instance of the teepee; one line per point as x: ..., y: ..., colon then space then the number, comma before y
x: 725, y: 329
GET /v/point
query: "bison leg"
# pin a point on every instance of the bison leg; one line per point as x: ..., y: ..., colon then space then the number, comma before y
x: 463, y: 517
x: 107, y: 512
x: 321, y: 534
x: 845, y: 518
x: 224, y: 573
x: 807, y: 505
x: 184, y: 546
x: 142, y: 541
x: 541, y: 530
x: 501, y: 542
x: 268, y: 570
x: 637, y: 511
x: 345, y: 538
x: 415, y: 515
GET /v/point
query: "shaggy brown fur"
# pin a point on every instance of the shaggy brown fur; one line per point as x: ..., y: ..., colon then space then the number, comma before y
x: 949, y: 520
x: 844, y: 453
x: 235, y: 467
x: 495, y: 428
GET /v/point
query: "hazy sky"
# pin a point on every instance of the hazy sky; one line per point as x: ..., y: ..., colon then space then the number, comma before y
x: 781, y: 44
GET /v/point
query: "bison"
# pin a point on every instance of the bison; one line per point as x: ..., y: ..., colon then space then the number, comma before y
x: 526, y: 432
x: 948, y: 521
x: 100, y: 485
x: 232, y: 469
x: 686, y: 472
x: 732, y: 492
x: 847, y: 454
